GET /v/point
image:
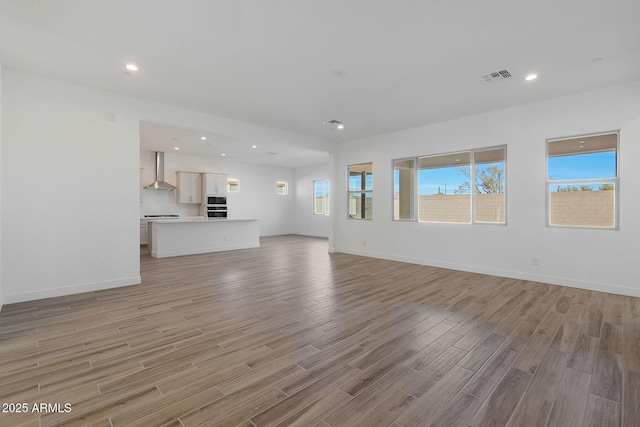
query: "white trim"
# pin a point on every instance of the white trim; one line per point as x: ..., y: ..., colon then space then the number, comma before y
x: 553, y: 280
x: 74, y: 289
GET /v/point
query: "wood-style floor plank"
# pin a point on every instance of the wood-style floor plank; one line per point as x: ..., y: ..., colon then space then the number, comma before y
x: 288, y: 334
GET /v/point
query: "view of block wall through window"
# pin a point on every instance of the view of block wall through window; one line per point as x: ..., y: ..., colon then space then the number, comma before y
x: 321, y: 197
x: 281, y: 187
x: 444, y: 187
x: 233, y: 186
x: 582, y: 181
x: 360, y: 187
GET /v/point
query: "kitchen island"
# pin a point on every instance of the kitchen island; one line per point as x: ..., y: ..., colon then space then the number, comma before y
x: 177, y: 237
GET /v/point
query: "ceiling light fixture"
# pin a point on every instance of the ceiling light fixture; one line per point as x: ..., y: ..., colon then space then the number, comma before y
x: 223, y: 154
x: 531, y: 77
x: 254, y: 146
x: 204, y: 138
x: 176, y: 148
x: 131, y: 67
x: 334, y: 124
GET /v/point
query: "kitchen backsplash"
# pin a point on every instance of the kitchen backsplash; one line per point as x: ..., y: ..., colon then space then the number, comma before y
x: 164, y: 202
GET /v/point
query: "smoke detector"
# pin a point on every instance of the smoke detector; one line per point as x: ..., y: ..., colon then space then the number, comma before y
x: 334, y: 124
x: 496, y: 75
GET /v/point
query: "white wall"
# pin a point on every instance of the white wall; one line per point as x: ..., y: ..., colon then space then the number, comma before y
x: 305, y: 222
x: 70, y: 183
x: 69, y: 211
x: 257, y: 197
x: 593, y: 259
x: 1, y: 293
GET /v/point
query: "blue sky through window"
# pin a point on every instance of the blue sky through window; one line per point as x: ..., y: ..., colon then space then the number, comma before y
x: 441, y: 180
x: 355, y: 182
x: 583, y: 166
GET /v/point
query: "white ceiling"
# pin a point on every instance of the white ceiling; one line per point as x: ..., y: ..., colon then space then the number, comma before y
x: 267, y: 151
x: 405, y: 62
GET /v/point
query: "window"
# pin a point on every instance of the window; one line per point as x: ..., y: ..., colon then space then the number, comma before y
x: 582, y: 181
x: 404, y: 177
x: 489, y: 192
x: 446, y: 191
x: 232, y: 185
x: 361, y: 191
x: 444, y: 183
x: 281, y: 187
x: 321, y: 197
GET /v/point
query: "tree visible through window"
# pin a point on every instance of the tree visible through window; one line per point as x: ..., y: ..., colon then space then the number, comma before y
x: 445, y: 183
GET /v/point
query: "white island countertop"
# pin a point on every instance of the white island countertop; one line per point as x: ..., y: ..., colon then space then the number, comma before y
x: 187, y: 236
x: 198, y: 219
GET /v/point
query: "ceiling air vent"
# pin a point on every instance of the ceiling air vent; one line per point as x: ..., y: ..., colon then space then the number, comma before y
x: 334, y: 124
x: 496, y: 75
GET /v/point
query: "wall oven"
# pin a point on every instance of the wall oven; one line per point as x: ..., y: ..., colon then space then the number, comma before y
x: 215, y: 206
x: 216, y: 200
x: 218, y: 211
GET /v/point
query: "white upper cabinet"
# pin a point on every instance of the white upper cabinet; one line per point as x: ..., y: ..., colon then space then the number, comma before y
x: 189, y: 187
x: 214, y: 184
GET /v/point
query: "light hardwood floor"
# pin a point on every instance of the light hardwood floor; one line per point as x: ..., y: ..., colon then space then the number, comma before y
x: 288, y: 334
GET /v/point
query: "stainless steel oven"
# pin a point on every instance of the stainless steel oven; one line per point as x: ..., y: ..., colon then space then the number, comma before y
x: 219, y: 211
x: 216, y: 200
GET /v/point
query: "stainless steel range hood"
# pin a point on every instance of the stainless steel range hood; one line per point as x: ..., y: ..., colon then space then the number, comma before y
x: 159, y: 183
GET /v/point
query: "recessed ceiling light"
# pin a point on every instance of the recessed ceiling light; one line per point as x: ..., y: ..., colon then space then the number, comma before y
x: 176, y: 148
x: 204, y: 138
x: 340, y: 126
x: 131, y: 67
x: 339, y: 73
x: 223, y: 154
x: 531, y: 77
x: 254, y: 146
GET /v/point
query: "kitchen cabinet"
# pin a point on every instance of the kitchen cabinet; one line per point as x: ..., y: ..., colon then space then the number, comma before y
x: 189, y: 187
x: 214, y: 184
x: 143, y: 232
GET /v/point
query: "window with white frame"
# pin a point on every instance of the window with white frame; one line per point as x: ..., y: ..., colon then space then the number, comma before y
x: 281, y: 187
x: 404, y: 177
x: 321, y: 197
x: 464, y: 187
x: 360, y: 189
x: 583, y: 181
x: 233, y: 186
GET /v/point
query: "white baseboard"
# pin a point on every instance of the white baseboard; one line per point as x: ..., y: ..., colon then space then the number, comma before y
x: 69, y: 290
x: 562, y: 281
x: 312, y: 235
